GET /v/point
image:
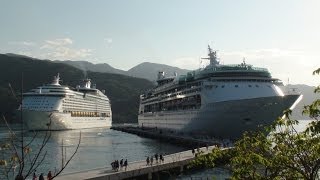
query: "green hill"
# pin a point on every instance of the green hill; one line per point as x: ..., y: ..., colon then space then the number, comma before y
x: 123, y: 91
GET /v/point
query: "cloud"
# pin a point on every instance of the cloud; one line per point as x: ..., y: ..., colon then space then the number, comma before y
x: 49, y: 44
x: 60, y: 42
x: 68, y: 53
x: 25, y: 53
x: 61, y: 49
x: 22, y: 43
x: 108, y: 40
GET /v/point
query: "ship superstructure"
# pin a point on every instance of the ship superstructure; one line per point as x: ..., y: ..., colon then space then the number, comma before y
x: 59, y: 107
x: 218, y: 100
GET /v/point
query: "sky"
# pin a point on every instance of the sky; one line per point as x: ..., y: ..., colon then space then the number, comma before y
x: 283, y: 36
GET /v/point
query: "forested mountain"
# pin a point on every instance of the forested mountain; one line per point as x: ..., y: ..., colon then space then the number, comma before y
x: 150, y: 70
x: 123, y: 91
x: 88, y: 66
x: 144, y: 70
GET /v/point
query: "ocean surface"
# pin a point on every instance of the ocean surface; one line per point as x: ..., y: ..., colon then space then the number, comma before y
x: 99, y: 147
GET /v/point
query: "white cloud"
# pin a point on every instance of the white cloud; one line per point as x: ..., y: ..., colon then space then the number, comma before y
x: 60, y: 42
x: 61, y: 49
x: 22, y: 43
x: 25, y: 53
x: 108, y: 40
x: 51, y: 44
x: 68, y: 53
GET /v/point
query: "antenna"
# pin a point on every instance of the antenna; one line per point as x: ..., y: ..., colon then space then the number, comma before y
x: 212, y: 56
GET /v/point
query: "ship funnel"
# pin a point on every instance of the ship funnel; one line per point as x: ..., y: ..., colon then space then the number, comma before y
x: 87, y: 83
x: 56, y: 80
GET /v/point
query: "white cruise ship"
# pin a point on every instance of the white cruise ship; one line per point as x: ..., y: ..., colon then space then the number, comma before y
x: 59, y: 107
x: 222, y: 101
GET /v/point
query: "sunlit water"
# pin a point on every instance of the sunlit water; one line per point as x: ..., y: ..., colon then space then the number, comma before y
x: 99, y: 147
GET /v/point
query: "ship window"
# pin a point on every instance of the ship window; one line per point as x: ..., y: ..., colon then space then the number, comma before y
x: 257, y: 85
x: 236, y: 86
x: 249, y: 85
x: 222, y: 86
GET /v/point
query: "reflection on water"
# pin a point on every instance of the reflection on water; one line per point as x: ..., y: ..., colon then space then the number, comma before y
x: 98, y: 148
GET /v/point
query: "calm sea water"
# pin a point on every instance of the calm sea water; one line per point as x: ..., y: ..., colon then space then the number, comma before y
x: 99, y: 147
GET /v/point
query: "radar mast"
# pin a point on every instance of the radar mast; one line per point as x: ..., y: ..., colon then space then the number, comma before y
x: 212, y: 56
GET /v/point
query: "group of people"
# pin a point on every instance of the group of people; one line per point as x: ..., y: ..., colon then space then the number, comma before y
x: 41, y: 177
x: 116, y: 165
x: 158, y: 158
x: 198, y: 151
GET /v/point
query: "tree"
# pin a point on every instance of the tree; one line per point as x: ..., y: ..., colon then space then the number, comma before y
x: 276, y: 152
x: 16, y: 152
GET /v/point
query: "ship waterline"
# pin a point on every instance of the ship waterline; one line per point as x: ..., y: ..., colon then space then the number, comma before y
x: 35, y: 120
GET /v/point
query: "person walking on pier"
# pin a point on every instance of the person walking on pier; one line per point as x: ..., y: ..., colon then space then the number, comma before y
x: 41, y: 177
x: 151, y: 160
x: 34, y: 176
x: 156, y: 157
x: 148, y: 161
x: 49, y: 176
x: 117, y: 164
x: 121, y: 163
x: 113, y: 165
x: 125, y: 164
x: 193, y: 151
x: 161, y: 158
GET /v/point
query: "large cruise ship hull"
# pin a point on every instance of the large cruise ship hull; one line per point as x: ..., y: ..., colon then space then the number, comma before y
x: 40, y: 120
x: 226, y: 119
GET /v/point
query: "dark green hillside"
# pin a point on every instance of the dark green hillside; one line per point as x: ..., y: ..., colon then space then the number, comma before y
x: 123, y: 91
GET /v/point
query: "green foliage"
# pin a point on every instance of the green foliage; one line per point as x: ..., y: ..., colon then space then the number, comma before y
x: 123, y: 91
x: 284, y: 154
x: 216, y: 158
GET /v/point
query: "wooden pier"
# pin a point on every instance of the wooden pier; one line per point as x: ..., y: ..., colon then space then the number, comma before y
x: 139, y: 169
